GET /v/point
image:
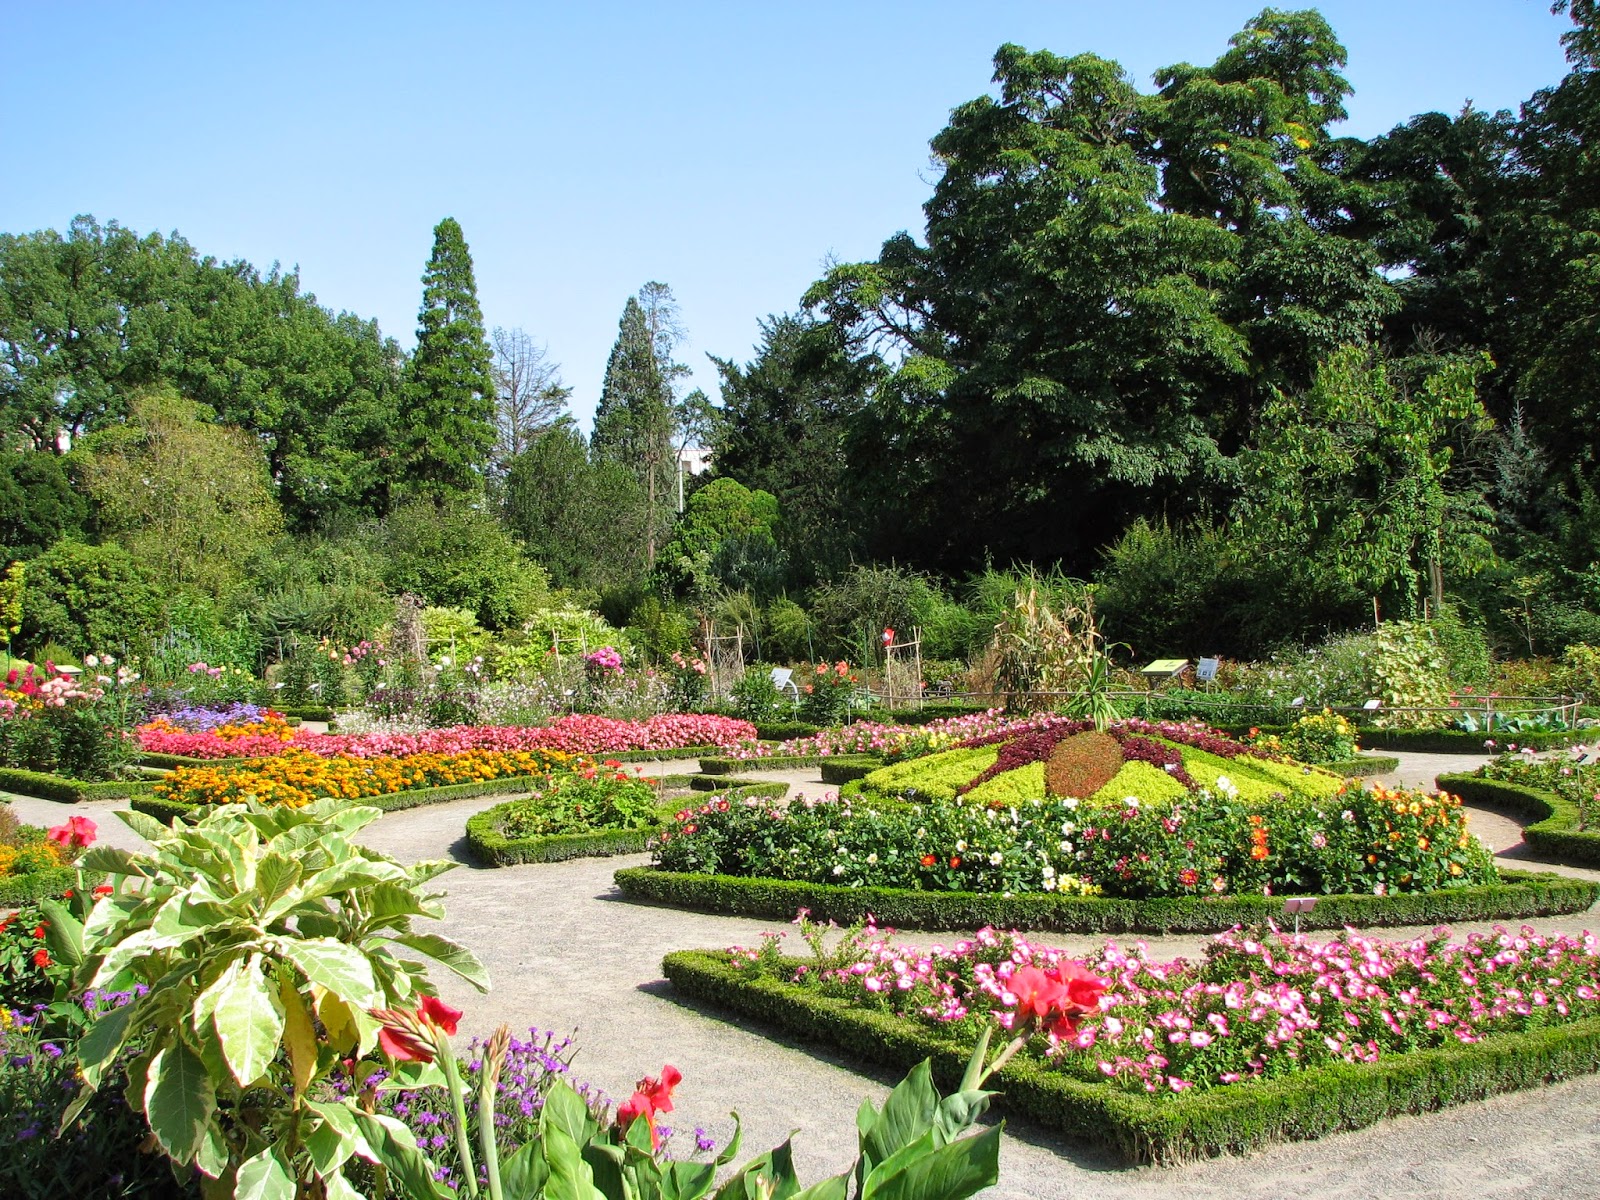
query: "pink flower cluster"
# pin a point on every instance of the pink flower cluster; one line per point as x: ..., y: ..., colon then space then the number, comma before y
x: 1252, y: 1008
x: 575, y: 734
x: 869, y: 737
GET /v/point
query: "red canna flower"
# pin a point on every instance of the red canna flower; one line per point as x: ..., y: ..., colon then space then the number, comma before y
x: 77, y: 831
x: 41, y: 957
x: 439, y: 1014
x: 403, y: 1045
x: 1037, y: 994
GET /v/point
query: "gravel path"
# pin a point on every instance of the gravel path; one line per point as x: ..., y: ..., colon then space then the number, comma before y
x: 566, y: 952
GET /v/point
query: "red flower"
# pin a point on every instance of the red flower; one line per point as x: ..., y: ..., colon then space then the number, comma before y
x: 660, y: 1090
x: 439, y: 1014
x: 955, y: 861
x: 403, y: 1045
x: 1035, y: 991
x: 1188, y: 877
x: 78, y: 831
x: 651, y: 1096
x: 928, y: 860
x: 105, y: 889
x: 41, y: 957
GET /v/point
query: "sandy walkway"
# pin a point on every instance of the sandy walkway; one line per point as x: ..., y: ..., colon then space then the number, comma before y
x: 565, y: 952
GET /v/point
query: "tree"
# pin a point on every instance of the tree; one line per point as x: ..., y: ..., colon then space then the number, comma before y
x: 457, y: 555
x: 529, y: 394
x: 1351, y: 478
x: 186, y: 496
x: 39, y: 505
x: 88, y: 599
x: 634, y: 423
x: 448, y: 424
x: 725, y: 533
x: 580, y: 516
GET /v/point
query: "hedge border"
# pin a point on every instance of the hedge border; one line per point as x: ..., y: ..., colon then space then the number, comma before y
x: 16, y: 890
x: 41, y: 785
x: 769, y: 788
x: 1363, y: 765
x: 1553, y: 831
x: 1433, y: 741
x: 494, y: 849
x: 783, y: 731
x: 1522, y: 894
x: 1300, y: 1106
x: 848, y: 769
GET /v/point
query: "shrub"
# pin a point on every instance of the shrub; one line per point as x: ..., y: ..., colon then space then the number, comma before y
x: 826, y: 694
x: 756, y: 698
x: 575, y: 803
x: 89, y: 598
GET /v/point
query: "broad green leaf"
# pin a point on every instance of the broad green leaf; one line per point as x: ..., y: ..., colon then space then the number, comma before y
x: 335, y: 1137
x: 206, y: 1002
x: 341, y: 969
x: 457, y: 957
x: 179, y: 1100
x: 523, y: 1175
x: 951, y: 1172
x: 688, y: 1180
x: 146, y: 826
x: 835, y: 1188
x: 130, y: 950
x: 565, y: 1110
x: 213, y: 1157
x: 776, y: 1167
x: 276, y: 877
x: 249, y: 1022
x: 299, y: 1034
x: 960, y: 1111
x: 393, y: 1145
x: 100, y: 1045
x: 108, y: 860
x: 264, y: 1177
x: 339, y: 1188
x: 63, y: 933
x: 901, y: 1158
x: 570, y: 1177
x: 906, y: 1115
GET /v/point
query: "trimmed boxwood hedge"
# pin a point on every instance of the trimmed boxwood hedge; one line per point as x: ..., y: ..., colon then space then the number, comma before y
x: 494, y: 849
x: 45, y: 786
x: 1140, y: 1129
x: 1363, y: 765
x: 172, y: 761
x: 36, y: 885
x: 757, y: 787
x: 783, y: 731
x: 849, y: 768
x: 1520, y: 894
x: 1435, y: 741
x: 1553, y: 833
x: 165, y: 810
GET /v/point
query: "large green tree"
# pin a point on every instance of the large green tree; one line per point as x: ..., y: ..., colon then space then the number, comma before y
x: 1111, y: 284
x: 447, y: 427
x: 634, y: 423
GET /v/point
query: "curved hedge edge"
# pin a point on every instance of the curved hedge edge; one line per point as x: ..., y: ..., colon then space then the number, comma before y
x: 1240, y: 1117
x: 846, y: 770
x: 494, y: 849
x: 165, y: 811
x: 44, y: 786
x: 37, y: 885
x: 1362, y: 765
x: 1523, y: 894
x: 306, y: 712
x: 1457, y: 741
x: 773, y: 788
x: 1553, y: 832
x: 718, y: 764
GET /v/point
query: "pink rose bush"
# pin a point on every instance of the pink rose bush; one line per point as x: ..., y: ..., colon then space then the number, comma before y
x: 1252, y: 1008
x: 574, y: 734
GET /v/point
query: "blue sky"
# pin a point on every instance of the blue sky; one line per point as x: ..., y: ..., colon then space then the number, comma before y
x: 725, y: 149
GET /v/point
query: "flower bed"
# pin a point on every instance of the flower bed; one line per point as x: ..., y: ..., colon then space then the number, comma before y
x: 571, y: 735
x: 1518, y: 895
x: 296, y: 778
x: 1201, y: 843
x: 1261, y: 1041
x: 500, y: 838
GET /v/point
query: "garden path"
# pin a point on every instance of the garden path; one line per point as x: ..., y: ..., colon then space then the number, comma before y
x: 566, y: 952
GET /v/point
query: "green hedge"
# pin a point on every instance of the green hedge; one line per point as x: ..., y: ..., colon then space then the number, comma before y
x: 655, y: 755
x: 716, y: 764
x: 1553, y: 833
x: 305, y: 712
x: 846, y: 769
x: 165, y: 810
x: 1433, y: 741
x: 494, y: 849
x: 1362, y: 765
x: 771, y: 788
x: 45, y: 786
x: 37, y: 885
x: 1141, y: 1129
x: 927, y: 714
x: 1520, y: 894
x: 173, y: 761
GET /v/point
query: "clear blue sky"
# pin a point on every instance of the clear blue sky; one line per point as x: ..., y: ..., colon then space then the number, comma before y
x: 725, y: 149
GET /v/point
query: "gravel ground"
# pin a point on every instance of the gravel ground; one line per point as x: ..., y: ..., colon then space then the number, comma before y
x: 567, y: 953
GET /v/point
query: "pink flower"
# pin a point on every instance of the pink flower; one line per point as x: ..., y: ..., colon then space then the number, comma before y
x: 77, y: 831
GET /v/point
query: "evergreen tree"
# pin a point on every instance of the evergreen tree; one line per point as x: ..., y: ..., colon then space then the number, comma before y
x: 449, y: 419
x: 634, y: 422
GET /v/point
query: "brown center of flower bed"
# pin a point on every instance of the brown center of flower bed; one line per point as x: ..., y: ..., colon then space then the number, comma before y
x: 1082, y: 764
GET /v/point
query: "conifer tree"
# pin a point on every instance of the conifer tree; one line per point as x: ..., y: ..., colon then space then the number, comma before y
x: 448, y: 421
x: 634, y: 421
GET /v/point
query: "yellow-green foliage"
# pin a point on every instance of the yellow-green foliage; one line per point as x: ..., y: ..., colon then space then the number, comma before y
x: 1297, y: 777
x: 935, y: 777
x: 1250, y: 786
x: 1011, y: 787
x: 1144, y: 780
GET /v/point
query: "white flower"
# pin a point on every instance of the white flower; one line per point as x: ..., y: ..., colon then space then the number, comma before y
x: 107, y: 660
x: 872, y: 858
x: 1070, y: 802
x: 838, y: 868
x: 961, y: 844
x: 445, y: 661
x: 1226, y: 787
x: 1066, y: 846
x: 1049, y: 883
x: 1049, y: 871
x: 91, y: 660
x: 996, y: 859
x: 1131, y: 801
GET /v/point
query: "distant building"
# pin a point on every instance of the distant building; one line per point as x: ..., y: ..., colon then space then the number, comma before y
x: 694, y: 460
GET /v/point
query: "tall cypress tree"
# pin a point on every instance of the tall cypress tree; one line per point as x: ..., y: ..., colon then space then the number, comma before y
x: 634, y: 422
x: 449, y: 419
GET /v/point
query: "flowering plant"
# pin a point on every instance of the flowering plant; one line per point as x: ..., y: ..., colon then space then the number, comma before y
x: 605, y: 661
x: 826, y: 694
x: 56, y: 721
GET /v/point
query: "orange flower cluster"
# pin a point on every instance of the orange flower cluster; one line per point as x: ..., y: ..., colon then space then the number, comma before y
x: 30, y: 858
x: 1418, y: 822
x: 297, y: 777
x: 271, y: 725
x: 1258, y: 839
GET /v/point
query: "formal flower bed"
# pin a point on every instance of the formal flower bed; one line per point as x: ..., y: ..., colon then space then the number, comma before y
x: 1208, y: 842
x: 1264, y: 1038
x: 890, y: 742
x: 576, y: 734
x: 240, y: 731
x: 296, y: 778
